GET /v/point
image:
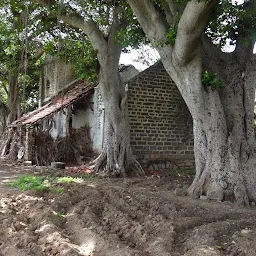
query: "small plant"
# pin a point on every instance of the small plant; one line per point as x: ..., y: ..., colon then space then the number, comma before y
x: 59, y: 214
x: 185, y: 190
x: 171, y: 34
x: 68, y: 179
x: 170, y: 37
x: 175, y: 172
x: 28, y: 182
x: 40, y: 183
x: 189, y: 172
x: 59, y: 191
x: 88, y: 176
x: 210, y: 79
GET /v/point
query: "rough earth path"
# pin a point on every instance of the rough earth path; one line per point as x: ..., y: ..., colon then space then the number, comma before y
x: 128, y: 217
x: 9, y: 172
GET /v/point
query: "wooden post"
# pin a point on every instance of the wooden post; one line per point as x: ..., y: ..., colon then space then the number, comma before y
x: 69, y: 121
x: 29, y: 143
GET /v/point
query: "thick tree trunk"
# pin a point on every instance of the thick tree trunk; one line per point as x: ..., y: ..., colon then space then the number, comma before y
x: 224, y: 139
x: 221, y: 155
x: 223, y: 118
x: 116, y: 157
x: 13, y: 112
x: 13, y: 99
x: 224, y: 160
x: 3, y: 117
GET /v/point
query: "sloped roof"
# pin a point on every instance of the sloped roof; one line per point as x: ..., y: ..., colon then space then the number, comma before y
x: 60, y: 101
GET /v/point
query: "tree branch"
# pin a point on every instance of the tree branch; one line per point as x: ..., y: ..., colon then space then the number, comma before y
x: 5, y: 88
x: 173, y: 7
x: 88, y: 26
x: 244, y: 39
x: 114, y: 49
x: 191, y: 26
x: 116, y: 24
x: 153, y: 24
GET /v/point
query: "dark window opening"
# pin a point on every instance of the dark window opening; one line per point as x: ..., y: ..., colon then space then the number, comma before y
x: 48, y: 84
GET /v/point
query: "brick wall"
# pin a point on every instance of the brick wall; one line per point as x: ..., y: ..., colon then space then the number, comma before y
x: 161, y: 125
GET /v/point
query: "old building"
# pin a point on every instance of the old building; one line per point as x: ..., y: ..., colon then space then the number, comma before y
x: 161, y: 125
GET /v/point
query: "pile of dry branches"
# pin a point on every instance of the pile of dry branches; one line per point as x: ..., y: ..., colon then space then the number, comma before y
x: 11, y: 141
x: 70, y: 149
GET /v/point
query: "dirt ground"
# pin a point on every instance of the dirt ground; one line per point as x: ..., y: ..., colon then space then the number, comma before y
x: 148, y: 216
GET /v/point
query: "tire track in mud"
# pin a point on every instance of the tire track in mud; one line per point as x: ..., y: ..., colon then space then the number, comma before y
x: 147, y: 222
x: 142, y: 220
x: 29, y: 227
x: 138, y: 224
x: 119, y: 219
x: 130, y: 217
x: 210, y: 217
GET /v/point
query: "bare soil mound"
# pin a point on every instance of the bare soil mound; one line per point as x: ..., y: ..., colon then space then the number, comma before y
x: 129, y: 217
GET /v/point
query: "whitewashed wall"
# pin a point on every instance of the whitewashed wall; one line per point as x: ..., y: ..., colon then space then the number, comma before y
x: 58, y: 125
x: 93, y: 118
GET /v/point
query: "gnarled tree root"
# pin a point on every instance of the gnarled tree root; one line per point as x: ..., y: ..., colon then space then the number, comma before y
x: 100, y: 164
x: 220, y: 191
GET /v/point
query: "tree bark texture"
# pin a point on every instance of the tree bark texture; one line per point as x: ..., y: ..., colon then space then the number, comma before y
x: 13, y: 99
x: 224, y: 132
x: 14, y: 110
x: 3, y: 117
x: 116, y: 157
x: 224, y: 139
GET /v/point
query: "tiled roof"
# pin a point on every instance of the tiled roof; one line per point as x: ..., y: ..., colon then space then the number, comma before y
x: 60, y: 101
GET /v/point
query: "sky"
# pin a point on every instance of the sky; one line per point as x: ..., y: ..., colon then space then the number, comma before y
x: 141, y: 58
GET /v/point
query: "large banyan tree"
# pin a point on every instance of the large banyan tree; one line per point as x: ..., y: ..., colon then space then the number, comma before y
x: 106, y: 24
x: 218, y: 87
